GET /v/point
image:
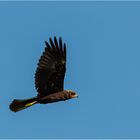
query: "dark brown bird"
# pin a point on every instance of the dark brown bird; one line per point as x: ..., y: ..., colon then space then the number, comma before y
x: 49, y: 77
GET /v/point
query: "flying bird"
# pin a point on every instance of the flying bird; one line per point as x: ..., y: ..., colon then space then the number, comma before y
x: 49, y: 78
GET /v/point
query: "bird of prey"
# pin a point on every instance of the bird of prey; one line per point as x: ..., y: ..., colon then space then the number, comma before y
x: 49, y: 78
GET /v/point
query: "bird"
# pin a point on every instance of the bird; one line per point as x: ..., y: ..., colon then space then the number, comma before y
x: 49, y: 77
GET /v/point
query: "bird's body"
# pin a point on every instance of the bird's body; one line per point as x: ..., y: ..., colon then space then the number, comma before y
x: 55, y: 97
x: 49, y: 78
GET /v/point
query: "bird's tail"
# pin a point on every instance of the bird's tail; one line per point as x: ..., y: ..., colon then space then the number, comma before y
x: 18, y: 105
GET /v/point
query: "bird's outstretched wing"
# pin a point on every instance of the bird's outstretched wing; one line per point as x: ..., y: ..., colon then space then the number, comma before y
x: 50, y: 73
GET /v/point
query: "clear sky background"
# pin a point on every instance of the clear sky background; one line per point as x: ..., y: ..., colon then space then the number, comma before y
x: 103, y: 67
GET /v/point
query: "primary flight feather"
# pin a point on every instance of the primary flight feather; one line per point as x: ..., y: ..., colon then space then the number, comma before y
x: 49, y: 77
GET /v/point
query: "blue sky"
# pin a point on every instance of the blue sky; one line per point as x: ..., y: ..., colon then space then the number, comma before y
x: 103, y: 67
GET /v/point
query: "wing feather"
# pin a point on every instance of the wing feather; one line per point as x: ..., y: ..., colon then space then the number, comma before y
x: 50, y: 73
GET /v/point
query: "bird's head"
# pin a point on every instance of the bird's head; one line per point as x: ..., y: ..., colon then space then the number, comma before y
x: 70, y: 94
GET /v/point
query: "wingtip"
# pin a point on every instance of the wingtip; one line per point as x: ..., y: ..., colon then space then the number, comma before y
x: 60, y: 39
x: 55, y: 38
x: 50, y: 39
x: 47, y: 44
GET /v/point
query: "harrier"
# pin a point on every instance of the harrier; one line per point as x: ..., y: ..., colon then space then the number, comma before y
x: 49, y: 78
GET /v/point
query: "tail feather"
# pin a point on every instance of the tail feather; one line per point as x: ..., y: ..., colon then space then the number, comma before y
x: 18, y: 105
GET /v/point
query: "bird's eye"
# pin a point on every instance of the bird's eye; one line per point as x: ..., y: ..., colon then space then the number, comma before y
x: 72, y: 93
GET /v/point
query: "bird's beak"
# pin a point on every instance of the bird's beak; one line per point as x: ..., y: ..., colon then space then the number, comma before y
x: 75, y: 96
